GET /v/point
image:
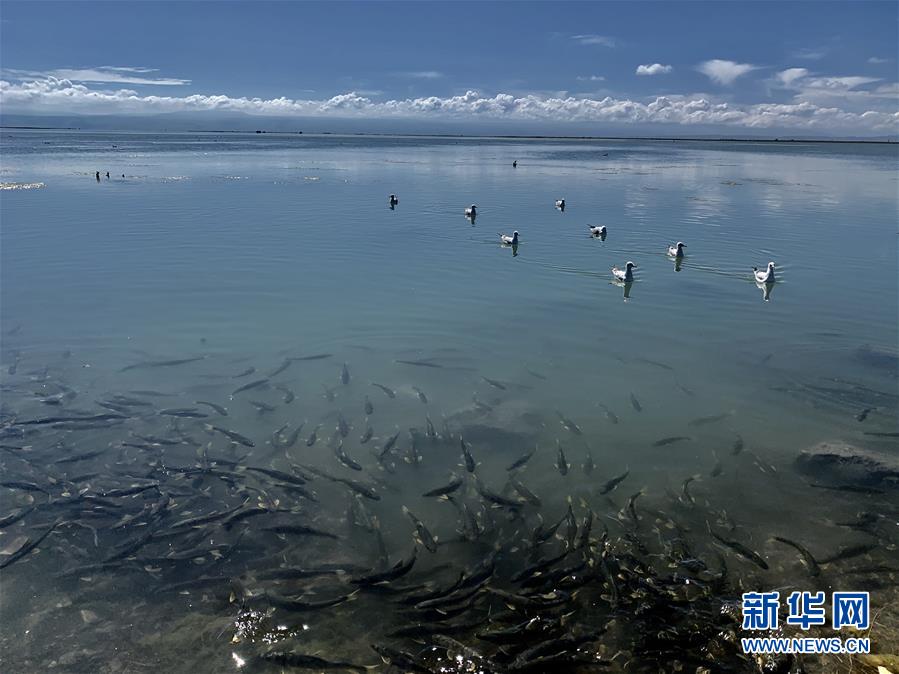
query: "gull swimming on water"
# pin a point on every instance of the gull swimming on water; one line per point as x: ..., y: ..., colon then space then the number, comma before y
x: 560, y: 204
x: 509, y: 240
x: 626, y: 274
x: 597, y: 230
x: 471, y: 211
x: 677, y: 250
x: 766, y: 276
x: 393, y: 200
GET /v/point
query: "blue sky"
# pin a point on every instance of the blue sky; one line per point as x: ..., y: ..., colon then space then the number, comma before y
x: 823, y: 67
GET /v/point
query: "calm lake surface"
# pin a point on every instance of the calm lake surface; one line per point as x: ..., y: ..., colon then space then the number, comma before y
x: 237, y: 251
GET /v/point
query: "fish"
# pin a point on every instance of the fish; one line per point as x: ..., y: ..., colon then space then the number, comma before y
x: 881, y: 435
x: 300, y: 530
x: 387, y: 446
x: 313, y: 437
x: 610, y: 415
x: 286, y: 363
x: 185, y: 412
x: 853, y: 488
x: 588, y: 465
x: 522, y: 460
x: 421, y: 395
x: 24, y: 486
x: 161, y: 363
x: 289, y: 395
x: 430, y: 431
x: 305, y: 661
x: 262, y: 407
x: 245, y: 373
x: 330, y: 396
x: 686, y: 497
x: 847, y: 553
x: 525, y: 493
x: 369, y: 408
x: 232, y: 435
x: 278, y: 439
x: 536, y: 375
x: 317, y: 356
x: 15, y: 516
x: 561, y: 462
x: 470, y: 464
x: 419, y: 363
x: 496, y: 499
x: 737, y: 446
x: 568, y: 424
x: 494, y: 383
x: 718, y: 468
x: 344, y: 375
x: 342, y: 426
x: 405, y: 662
x: 810, y: 563
x: 217, y: 408
x: 670, y: 440
x: 258, y: 383
x: 740, y: 549
x: 704, y: 421
x: 388, y: 391
x: 614, y: 482
x: 448, y: 488
x: 346, y: 459
x: 636, y: 403
x: 367, y: 435
x: 861, y: 416
x: 423, y: 535
x: 654, y: 363
x: 29, y: 545
x: 401, y: 568
x: 299, y: 605
x: 84, y: 456
x: 631, y: 505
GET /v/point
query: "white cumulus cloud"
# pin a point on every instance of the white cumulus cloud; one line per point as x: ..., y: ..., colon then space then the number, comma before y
x: 654, y: 69
x: 790, y: 75
x: 724, y: 72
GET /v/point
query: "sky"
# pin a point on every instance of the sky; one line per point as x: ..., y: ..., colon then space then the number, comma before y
x: 824, y: 68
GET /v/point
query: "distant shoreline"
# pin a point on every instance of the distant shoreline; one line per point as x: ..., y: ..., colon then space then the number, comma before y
x: 683, y: 139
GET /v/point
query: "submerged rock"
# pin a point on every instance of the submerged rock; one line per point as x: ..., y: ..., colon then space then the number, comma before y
x: 839, y: 462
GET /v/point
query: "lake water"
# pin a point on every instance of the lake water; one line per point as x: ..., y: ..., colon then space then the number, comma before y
x: 257, y: 250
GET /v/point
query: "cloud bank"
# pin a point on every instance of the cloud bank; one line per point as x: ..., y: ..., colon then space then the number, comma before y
x: 52, y: 95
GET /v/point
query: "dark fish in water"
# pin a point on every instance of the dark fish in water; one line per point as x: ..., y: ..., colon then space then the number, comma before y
x: 283, y: 366
x: 448, y: 488
x: 313, y: 437
x: 344, y: 375
x: 881, y: 435
x: 588, y: 461
x: 234, y: 437
x: 218, y: 408
x: 568, y: 424
x: 300, y: 530
x: 369, y: 408
x: 245, y: 373
x: 670, y: 440
x: 561, y: 462
x: 128, y: 491
x: 631, y: 505
x: 151, y: 393
x: 405, y: 662
x: 24, y: 486
x: 704, y: 421
x: 737, y: 447
x: 259, y: 383
x: 367, y: 435
x: 346, y: 459
x: 388, y: 445
x: 614, y: 482
x: 494, y: 383
x: 398, y: 570
x: 535, y: 374
x: 525, y: 493
x: 342, y: 426
x: 304, y: 661
x: 388, y: 391
x: 419, y: 363
x: 847, y: 553
x: 810, y: 563
x: 358, y: 487
x: 423, y: 536
x: 330, y: 396
x: 431, y: 432
x: 861, y: 416
x: 277, y: 474
x: 496, y: 499
x: 81, y: 457
x: 522, y: 460
x: 470, y: 464
x: 636, y: 403
x: 610, y: 415
x: 421, y: 395
x: 14, y: 517
x: 686, y: 497
x: 262, y: 407
x: 655, y: 363
x: 740, y: 549
x: 81, y: 419
x: 162, y: 363
x: 299, y: 605
x: 289, y: 395
x: 853, y: 488
x: 29, y: 545
x: 317, y: 356
x: 718, y: 468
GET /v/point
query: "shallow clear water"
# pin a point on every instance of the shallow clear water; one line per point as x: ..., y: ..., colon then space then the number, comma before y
x: 246, y: 249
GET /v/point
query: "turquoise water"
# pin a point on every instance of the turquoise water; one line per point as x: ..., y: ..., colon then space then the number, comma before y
x: 246, y: 249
